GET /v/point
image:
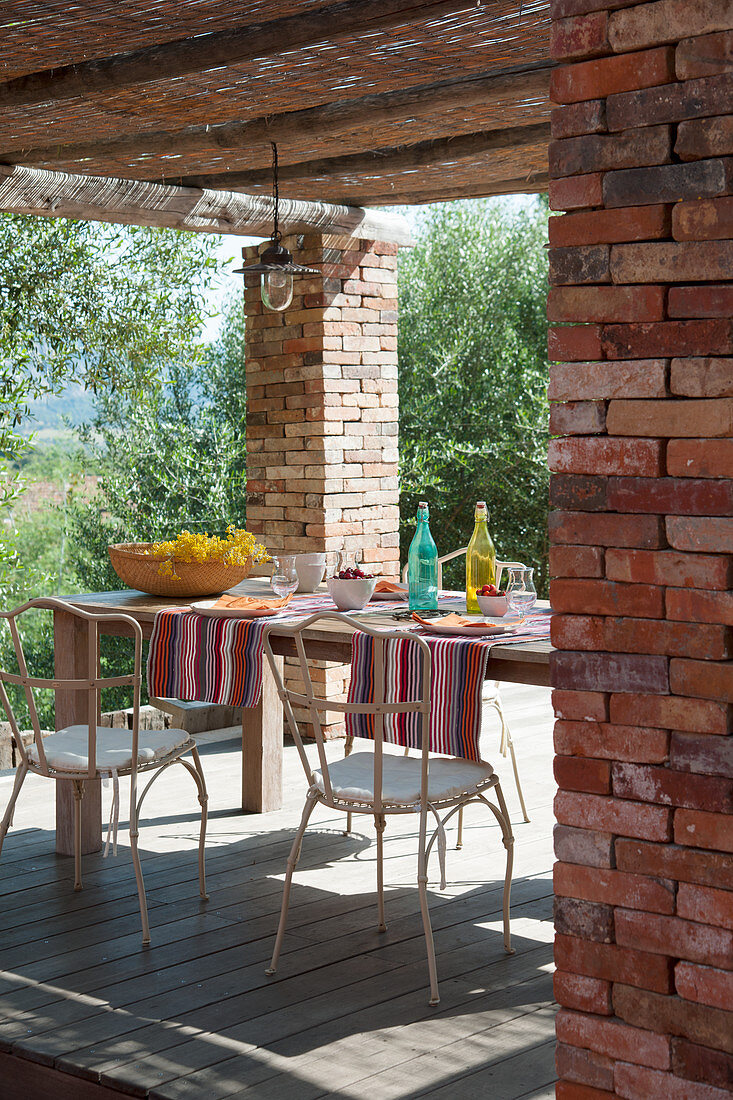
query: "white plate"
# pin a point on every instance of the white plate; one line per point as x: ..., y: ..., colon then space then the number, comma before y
x: 206, y: 607
x: 480, y: 630
x: 401, y: 595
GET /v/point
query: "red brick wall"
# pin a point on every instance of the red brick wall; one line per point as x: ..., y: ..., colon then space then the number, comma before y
x: 322, y: 413
x: 641, y: 267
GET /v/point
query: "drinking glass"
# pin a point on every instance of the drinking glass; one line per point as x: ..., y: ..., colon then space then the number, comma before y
x: 521, y: 593
x: 284, y: 580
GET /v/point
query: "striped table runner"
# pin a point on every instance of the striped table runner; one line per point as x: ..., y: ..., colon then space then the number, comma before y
x: 458, y: 673
x: 219, y: 660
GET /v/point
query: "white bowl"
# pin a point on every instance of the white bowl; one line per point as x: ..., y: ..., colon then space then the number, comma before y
x: 493, y: 606
x: 310, y: 569
x: 351, y: 595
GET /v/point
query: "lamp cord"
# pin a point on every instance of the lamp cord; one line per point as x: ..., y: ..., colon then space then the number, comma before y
x: 276, y: 234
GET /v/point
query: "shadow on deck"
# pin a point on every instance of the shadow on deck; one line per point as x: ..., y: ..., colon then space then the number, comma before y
x: 86, y: 1012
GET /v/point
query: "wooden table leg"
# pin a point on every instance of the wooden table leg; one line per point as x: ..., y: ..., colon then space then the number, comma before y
x: 70, y: 659
x: 262, y: 748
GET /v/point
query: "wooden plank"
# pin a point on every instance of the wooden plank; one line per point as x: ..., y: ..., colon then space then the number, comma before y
x: 507, y: 1076
x: 330, y: 119
x: 196, y: 54
x: 70, y: 657
x: 197, y: 1016
x: 485, y: 186
x: 383, y: 161
x: 24, y: 1080
x: 138, y: 202
x: 303, y: 1032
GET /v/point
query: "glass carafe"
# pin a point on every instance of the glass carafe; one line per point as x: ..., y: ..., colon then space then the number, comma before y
x: 521, y: 593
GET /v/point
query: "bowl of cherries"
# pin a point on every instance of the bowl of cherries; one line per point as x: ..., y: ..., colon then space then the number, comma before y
x: 351, y: 589
x: 491, y: 601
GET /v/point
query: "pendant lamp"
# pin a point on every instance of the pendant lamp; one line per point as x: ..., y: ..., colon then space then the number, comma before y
x: 275, y: 266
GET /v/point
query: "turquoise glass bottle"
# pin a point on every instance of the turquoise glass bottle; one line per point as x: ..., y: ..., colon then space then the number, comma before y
x: 422, y: 565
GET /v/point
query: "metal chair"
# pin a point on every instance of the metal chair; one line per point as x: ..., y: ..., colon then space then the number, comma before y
x: 84, y: 752
x: 380, y: 784
x: 490, y: 695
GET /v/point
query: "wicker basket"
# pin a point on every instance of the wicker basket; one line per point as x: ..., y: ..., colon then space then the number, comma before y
x: 139, y: 571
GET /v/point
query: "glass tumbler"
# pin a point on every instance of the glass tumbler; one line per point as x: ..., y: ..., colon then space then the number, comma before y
x: 284, y: 580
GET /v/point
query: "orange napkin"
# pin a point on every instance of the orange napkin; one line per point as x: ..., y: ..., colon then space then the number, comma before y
x: 450, y: 620
x: 250, y: 603
x: 389, y: 586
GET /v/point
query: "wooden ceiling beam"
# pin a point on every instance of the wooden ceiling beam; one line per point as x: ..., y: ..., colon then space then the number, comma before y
x: 324, y: 121
x: 217, y: 49
x: 532, y: 184
x: 133, y: 202
x: 383, y: 161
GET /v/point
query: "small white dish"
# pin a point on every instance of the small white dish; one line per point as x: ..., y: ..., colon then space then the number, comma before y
x: 310, y: 569
x: 351, y: 595
x: 493, y: 606
x: 206, y: 607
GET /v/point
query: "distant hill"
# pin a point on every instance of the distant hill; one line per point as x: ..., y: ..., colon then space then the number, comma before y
x: 49, y: 415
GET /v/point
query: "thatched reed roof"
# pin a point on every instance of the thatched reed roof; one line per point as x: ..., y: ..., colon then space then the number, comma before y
x: 371, y: 102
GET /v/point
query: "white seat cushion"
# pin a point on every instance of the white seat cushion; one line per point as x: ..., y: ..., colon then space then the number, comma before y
x: 67, y: 750
x: 353, y: 778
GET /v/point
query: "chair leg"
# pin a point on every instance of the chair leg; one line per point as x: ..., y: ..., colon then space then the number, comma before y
x: 459, y: 838
x: 204, y: 803
x: 134, y: 832
x: 348, y: 746
x: 422, y: 883
x: 510, y: 743
x: 507, y: 743
x: 292, y: 863
x: 7, y: 820
x: 509, y: 845
x: 380, y: 823
x: 78, y: 795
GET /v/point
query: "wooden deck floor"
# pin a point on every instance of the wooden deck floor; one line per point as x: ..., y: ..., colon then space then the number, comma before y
x: 86, y: 1013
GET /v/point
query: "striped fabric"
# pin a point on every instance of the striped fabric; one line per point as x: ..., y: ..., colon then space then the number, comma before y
x: 458, y: 672
x: 218, y: 660
x: 215, y: 660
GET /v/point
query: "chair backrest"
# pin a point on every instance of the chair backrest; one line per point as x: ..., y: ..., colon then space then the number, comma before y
x: 92, y: 684
x: 500, y: 566
x: 378, y: 706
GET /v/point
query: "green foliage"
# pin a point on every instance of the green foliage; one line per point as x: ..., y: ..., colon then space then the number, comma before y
x: 110, y: 308
x: 106, y: 306
x: 473, y: 378
x: 169, y: 459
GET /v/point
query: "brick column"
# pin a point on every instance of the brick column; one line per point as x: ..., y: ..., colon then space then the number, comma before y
x: 642, y: 537
x: 322, y: 411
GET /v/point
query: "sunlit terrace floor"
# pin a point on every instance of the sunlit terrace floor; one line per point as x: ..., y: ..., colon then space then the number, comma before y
x: 86, y: 1013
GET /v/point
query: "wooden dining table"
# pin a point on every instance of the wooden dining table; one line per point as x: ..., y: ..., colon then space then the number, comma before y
x: 262, y: 726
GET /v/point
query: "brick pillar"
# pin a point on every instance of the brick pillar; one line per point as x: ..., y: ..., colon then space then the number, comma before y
x: 322, y: 411
x: 642, y: 537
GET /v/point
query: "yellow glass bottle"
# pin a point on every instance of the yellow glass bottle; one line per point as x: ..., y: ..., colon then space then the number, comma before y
x: 480, y: 558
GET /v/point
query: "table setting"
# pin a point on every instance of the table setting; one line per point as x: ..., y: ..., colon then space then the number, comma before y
x: 212, y: 650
